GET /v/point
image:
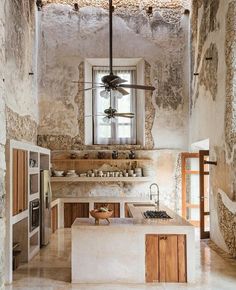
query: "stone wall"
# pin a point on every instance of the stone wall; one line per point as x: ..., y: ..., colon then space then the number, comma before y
x: 213, y: 100
x: 68, y: 38
x: 21, y: 69
x: 2, y: 141
x: 18, y: 94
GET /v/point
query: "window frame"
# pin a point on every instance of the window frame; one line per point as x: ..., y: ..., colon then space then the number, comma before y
x: 140, y: 97
x: 114, y: 140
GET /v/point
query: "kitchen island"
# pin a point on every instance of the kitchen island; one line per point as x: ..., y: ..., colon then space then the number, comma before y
x: 133, y: 250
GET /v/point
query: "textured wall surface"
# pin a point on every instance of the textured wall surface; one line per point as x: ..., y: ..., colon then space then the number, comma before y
x: 213, y: 102
x: 18, y: 99
x: 20, y: 47
x: 2, y: 141
x: 68, y: 37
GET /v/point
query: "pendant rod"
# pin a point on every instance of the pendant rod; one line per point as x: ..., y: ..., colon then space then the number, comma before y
x: 110, y: 35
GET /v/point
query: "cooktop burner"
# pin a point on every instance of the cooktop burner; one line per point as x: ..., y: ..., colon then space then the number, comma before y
x: 154, y: 214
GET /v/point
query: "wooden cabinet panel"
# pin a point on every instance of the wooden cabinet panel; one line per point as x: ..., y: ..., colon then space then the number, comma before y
x: 73, y: 211
x: 152, y: 258
x: 67, y: 215
x: 20, y: 181
x: 162, y: 259
x: 54, y: 218
x: 15, y: 184
x: 113, y: 206
x: 182, y: 258
x: 171, y: 258
x: 166, y: 258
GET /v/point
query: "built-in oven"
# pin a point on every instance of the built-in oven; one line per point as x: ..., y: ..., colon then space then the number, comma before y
x: 34, y: 214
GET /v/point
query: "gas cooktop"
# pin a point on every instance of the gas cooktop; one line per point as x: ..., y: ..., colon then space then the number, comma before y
x: 154, y: 214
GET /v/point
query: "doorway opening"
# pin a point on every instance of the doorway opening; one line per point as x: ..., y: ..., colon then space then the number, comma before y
x: 196, y: 187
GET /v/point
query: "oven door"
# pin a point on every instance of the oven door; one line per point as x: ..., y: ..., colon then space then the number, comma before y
x: 34, y: 214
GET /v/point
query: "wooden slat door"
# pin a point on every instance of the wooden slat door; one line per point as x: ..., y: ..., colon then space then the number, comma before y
x: 73, y: 211
x: 166, y: 258
x: 113, y: 206
x: 20, y: 181
x: 187, y: 172
x: 171, y: 257
x: 67, y: 215
x: 204, y: 194
x: 54, y: 218
x: 151, y: 258
x: 14, y: 182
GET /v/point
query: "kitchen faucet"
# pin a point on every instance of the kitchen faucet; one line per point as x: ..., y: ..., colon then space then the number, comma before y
x: 157, y: 195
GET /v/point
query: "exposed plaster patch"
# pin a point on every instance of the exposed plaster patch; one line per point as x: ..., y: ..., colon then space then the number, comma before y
x: 21, y: 127
x: 149, y: 110
x: 169, y: 78
x: 230, y: 56
x: 209, y: 70
x: 208, y: 24
x: 141, y: 4
x: 227, y: 222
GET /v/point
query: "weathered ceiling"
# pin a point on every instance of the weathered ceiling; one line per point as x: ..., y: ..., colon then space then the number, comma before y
x: 142, y: 4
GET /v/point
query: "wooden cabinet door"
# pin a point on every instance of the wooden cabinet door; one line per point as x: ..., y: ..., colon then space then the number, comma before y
x: 166, y: 258
x: 113, y: 206
x: 73, y: 211
x: 54, y: 218
x: 152, y: 261
x: 169, y: 258
x: 67, y: 215
x: 20, y: 181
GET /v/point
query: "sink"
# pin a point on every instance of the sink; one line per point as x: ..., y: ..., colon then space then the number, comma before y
x: 143, y: 205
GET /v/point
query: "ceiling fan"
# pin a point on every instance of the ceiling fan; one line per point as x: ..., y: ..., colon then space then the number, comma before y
x: 114, y: 83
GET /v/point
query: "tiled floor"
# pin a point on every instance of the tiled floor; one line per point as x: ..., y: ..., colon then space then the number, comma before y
x: 50, y: 270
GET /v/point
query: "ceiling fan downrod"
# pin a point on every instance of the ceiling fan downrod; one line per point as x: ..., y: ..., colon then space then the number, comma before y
x: 111, y: 36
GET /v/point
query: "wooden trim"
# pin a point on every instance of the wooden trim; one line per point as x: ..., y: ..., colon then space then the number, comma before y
x: 190, y: 205
x: 202, y: 154
x: 184, y: 173
x: 191, y: 172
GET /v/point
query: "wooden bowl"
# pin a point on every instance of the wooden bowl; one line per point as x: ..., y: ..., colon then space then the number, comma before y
x: 101, y: 215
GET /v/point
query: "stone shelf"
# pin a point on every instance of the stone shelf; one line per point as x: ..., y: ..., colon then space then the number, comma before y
x: 101, y: 179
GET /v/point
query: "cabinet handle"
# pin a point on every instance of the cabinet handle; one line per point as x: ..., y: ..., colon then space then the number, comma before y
x: 163, y: 238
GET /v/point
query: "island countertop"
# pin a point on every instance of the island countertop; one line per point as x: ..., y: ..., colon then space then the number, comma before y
x: 138, y: 218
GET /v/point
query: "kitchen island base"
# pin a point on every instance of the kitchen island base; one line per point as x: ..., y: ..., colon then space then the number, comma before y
x: 132, y: 251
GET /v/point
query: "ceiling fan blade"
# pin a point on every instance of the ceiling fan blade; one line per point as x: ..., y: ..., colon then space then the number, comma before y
x: 100, y: 115
x: 118, y: 81
x: 92, y: 88
x: 124, y: 115
x: 76, y: 82
x: 138, y: 87
x: 122, y: 91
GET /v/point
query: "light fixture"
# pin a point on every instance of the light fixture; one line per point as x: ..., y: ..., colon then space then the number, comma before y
x: 105, y: 94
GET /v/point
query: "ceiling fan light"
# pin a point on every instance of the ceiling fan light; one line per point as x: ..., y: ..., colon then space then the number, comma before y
x: 106, y: 120
x: 104, y: 94
x: 118, y: 95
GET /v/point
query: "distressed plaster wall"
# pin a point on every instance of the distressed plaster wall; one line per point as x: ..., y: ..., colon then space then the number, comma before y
x: 213, y: 102
x: 2, y: 141
x: 18, y: 99
x: 68, y: 37
x: 21, y: 92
